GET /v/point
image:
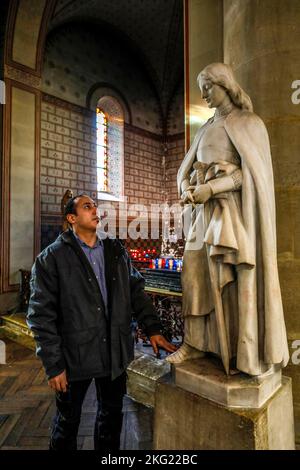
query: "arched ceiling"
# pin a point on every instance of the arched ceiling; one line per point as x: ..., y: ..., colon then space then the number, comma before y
x: 153, y: 27
x: 3, y: 15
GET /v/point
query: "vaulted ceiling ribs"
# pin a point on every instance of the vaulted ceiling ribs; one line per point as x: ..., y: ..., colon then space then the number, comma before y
x: 154, y: 28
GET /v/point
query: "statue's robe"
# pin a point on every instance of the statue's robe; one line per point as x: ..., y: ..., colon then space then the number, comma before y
x: 246, y: 257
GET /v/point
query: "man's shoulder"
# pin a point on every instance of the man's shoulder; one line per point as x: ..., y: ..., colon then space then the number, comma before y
x: 54, y: 249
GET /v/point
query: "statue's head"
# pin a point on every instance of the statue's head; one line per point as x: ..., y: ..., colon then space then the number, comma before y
x: 217, y: 83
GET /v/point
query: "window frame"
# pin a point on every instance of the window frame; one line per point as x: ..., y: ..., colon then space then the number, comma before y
x: 104, y: 144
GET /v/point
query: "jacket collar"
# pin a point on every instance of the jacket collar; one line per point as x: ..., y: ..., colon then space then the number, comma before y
x: 69, y: 238
x: 112, y: 245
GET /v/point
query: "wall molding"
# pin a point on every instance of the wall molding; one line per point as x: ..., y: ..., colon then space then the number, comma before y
x: 67, y: 105
x: 175, y: 137
x: 143, y: 132
x: 128, y: 127
x: 6, y: 172
x: 10, y: 32
x: 22, y: 76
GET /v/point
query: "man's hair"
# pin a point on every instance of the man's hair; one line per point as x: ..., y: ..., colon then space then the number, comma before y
x: 71, y: 205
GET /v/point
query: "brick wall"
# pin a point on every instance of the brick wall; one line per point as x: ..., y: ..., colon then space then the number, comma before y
x: 68, y: 158
x: 175, y: 155
x: 68, y: 161
x: 68, y: 154
x: 143, y: 167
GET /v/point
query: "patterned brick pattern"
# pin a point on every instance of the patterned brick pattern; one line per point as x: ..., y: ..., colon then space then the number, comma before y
x: 68, y: 155
x: 49, y: 233
x: 176, y: 153
x: 68, y: 160
x: 143, y: 168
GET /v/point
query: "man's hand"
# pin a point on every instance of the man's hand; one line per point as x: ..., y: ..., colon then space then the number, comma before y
x: 202, y: 193
x: 59, y: 383
x: 160, y: 341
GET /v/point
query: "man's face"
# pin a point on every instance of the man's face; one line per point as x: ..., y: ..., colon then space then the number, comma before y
x: 86, y: 217
x: 214, y: 95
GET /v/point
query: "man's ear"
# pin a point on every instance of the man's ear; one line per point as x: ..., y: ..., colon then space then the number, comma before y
x: 71, y: 218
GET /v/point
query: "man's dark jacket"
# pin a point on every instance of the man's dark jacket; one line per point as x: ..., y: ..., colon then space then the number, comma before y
x: 66, y: 309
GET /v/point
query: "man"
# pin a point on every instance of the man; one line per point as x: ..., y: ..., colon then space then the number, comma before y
x: 83, y: 292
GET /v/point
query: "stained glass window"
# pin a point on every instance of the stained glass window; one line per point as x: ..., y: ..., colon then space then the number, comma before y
x: 110, y: 148
x: 102, y: 151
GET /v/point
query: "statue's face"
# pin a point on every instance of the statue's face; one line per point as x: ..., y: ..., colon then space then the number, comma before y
x: 213, y: 94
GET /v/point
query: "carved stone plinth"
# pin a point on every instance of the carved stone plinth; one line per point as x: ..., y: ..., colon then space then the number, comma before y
x: 206, y: 377
x: 186, y: 421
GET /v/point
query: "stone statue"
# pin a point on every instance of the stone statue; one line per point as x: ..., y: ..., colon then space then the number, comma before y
x: 68, y: 195
x: 231, y: 294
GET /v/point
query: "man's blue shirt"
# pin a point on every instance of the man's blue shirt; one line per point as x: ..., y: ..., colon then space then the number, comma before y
x: 95, y: 255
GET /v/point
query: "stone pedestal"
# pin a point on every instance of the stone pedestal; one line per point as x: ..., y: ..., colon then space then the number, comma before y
x: 143, y: 374
x: 197, y: 423
x: 206, y: 377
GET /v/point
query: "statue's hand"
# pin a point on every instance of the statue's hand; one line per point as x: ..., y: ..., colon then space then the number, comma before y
x: 202, y: 193
x: 187, y: 197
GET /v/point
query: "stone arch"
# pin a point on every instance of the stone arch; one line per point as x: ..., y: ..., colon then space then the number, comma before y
x: 102, y: 89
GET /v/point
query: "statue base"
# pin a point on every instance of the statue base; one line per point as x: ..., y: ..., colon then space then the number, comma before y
x: 198, y: 423
x: 206, y: 377
x: 143, y: 374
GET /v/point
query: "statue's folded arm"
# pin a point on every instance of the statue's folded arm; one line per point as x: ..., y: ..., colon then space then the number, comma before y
x: 226, y: 183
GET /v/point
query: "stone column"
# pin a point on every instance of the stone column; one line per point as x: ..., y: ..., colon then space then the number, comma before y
x: 203, y: 45
x: 261, y: 43
x: 198, y: 423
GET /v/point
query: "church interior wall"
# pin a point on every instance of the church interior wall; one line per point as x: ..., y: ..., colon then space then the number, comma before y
x: 175, y: 143
x: 175, y: 151
x: 264, y: 53
x: 77, y: 57
x: 68, y: 138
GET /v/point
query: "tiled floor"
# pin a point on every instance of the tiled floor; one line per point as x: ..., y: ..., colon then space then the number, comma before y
x: 27, y: 406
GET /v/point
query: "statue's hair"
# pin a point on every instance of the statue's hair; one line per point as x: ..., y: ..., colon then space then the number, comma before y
x: 222, y: 74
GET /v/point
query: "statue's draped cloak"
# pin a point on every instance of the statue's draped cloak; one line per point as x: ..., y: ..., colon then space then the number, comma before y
x: 251, y: 299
